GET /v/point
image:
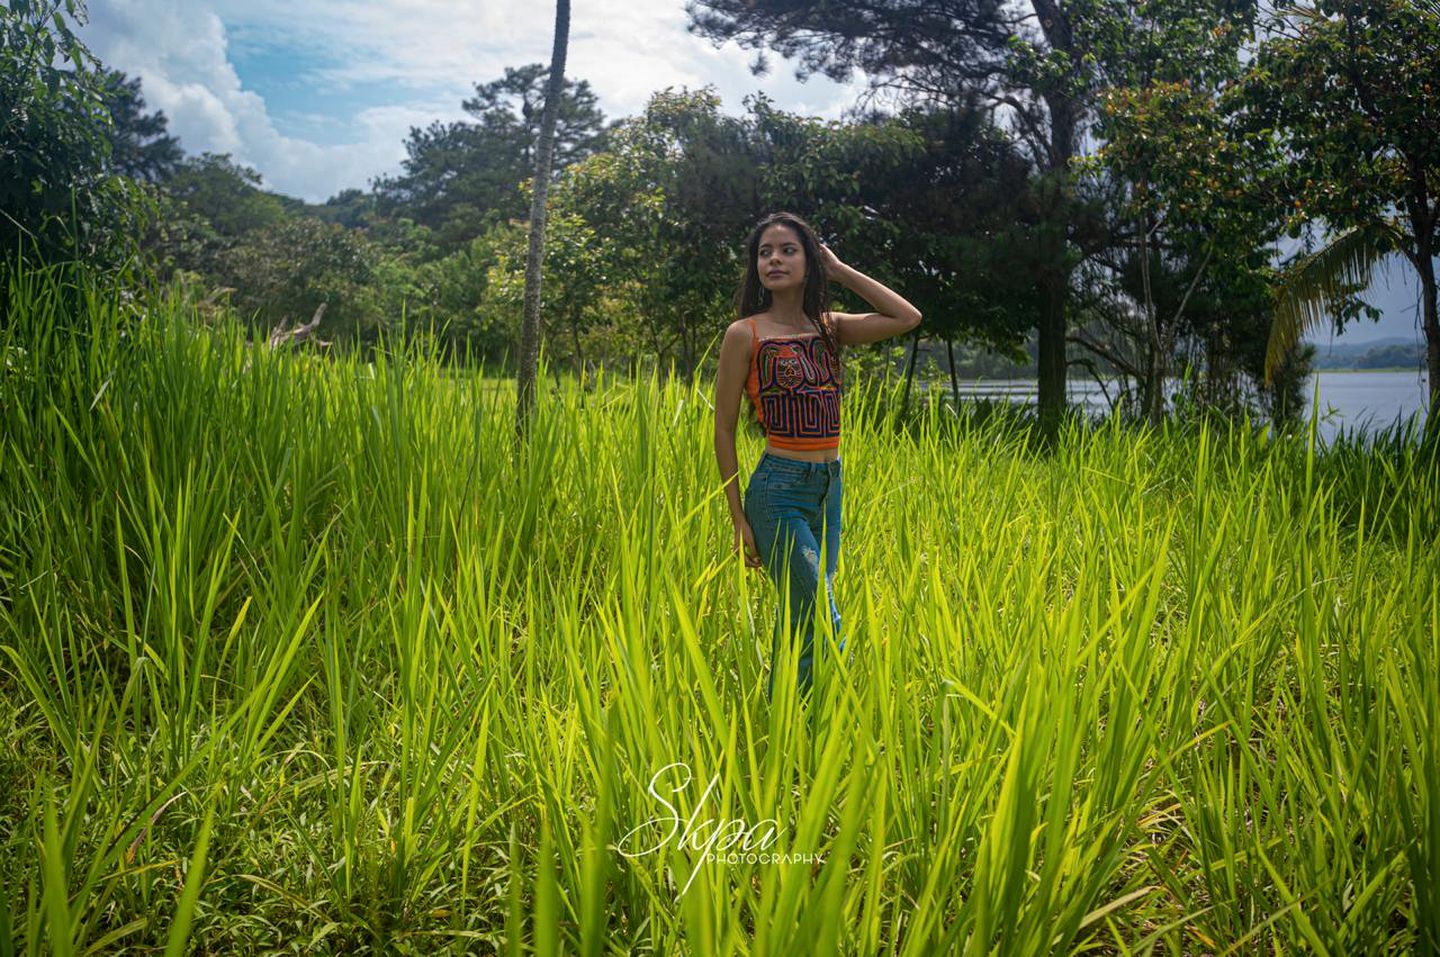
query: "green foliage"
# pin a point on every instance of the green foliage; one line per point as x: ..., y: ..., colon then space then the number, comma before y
x: 657, y: 219
x: 1320, y: 288
x: 1353, y: 92
x: 207, y: 206
x: 451, y: 295
x: 460, y: 178
x: 353, y: 208
x: 948, y: 209
x: 140, y: 148
x: 58, y: 195
x: 931, y: 48
x: 283, y: 272
x: 1286, y: 397
x: 1194, y: 217
x: 224, y: 194
x: 1046, y: 69
x: 702, y: 162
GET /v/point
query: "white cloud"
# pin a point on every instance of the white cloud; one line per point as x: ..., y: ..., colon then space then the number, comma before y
x: 181, y: 52
x: 431, y: 52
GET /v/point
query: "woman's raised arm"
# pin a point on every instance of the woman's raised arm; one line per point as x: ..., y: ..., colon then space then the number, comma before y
x: 893, y: 316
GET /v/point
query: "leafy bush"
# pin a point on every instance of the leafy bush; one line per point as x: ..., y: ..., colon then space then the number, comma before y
x: 60, y: 197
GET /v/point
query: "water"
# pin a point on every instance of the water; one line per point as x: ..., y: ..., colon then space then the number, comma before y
x: 1350, y: 400
x: 1369, y: 400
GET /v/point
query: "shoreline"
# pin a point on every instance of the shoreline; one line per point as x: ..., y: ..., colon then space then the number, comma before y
x: 1419, y: 370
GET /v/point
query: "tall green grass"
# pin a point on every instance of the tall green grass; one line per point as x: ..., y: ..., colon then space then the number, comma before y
x: 301, y: 653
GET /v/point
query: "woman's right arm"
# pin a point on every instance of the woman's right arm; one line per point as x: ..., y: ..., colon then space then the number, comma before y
x: 729, y: 386
x: 734, y: 368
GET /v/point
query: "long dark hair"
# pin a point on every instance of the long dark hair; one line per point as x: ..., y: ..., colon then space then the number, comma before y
x: 753, y: 297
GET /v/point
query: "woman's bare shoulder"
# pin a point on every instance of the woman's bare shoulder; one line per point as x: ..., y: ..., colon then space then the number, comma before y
x: 745, y: 325
x: 737, y: 334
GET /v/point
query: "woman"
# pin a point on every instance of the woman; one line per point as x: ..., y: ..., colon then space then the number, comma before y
x: 784, y: 354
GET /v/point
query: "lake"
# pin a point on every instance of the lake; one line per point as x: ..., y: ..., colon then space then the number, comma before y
x: 1349, y: 400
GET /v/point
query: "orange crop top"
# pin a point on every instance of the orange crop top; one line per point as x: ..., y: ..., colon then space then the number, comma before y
x: 794, y: 384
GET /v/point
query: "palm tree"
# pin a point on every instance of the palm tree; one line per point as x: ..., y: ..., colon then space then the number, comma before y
x: 1313, y: 288
x: 530, y: 329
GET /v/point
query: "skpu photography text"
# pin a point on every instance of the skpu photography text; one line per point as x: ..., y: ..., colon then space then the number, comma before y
x: 721, y: 840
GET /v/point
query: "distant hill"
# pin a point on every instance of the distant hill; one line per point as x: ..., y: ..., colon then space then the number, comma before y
x: 1389, y: 353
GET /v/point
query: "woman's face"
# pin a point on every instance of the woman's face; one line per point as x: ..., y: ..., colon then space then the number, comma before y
x: 780, y: 258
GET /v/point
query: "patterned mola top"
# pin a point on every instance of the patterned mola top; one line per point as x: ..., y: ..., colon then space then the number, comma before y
x: 794, y: 384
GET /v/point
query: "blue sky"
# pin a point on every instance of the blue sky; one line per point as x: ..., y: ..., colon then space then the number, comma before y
x: 319, y: 95
x: 1396, y: 292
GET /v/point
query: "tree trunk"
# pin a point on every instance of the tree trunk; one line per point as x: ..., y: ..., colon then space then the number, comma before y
x: 910, y: 371
x: 1050, y: 372
x: 1432, y: 337
x: 1152, y: 390
x: 685, y: 360
x: 1055, y: 263
x: 530, y: 330
x: 687, y: 348
x: 954, y: 381
x: 1422, y: 224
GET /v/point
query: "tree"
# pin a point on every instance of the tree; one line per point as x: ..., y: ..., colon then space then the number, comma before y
x: 207, y: 205
x: 1353, y: 90
x: 579, y: 124
x: 453, y: 294
x: 353, y: 208
x: 57, y: 191
x: 708, y: 170
x: 657, y: 219
x: 938, y: 50
x: 140, y: 148
x: 284, y: 271
x: 530, y: 333
x: 604, y: 256
x: 225, y: 194
x: 654, y: 221
x: 462, y: 177
x: 577, y: 281
x: 669, y: 202
x: 1191, y: 175
x: 951, y: 219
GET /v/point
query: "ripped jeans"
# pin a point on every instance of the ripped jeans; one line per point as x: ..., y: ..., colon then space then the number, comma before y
x: 793, y: 507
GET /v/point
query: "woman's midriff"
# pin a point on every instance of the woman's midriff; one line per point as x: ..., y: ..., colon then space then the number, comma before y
x: 805, y: 455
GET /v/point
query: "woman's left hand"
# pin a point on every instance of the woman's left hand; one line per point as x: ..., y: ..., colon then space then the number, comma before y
x: 831, y: 262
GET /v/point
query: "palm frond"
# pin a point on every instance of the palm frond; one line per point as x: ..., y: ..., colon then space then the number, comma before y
x: 1313, y: 289
x: 1310, y: 13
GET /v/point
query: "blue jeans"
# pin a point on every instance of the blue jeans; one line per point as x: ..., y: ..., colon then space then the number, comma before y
x: 793, y: 507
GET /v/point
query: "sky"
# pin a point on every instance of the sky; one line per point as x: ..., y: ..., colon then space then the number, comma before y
x: 319, y: 95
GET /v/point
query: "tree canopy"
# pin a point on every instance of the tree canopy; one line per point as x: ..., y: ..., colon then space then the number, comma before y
x: 140, y: 146
x: 1352, y: 91
x: 462, y: 176
x: 59, y: 193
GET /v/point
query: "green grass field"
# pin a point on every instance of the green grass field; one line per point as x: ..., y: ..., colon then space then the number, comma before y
x: 304, y: 655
